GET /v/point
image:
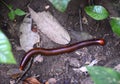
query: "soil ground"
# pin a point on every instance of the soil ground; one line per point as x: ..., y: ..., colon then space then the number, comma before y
x: 61, y: 67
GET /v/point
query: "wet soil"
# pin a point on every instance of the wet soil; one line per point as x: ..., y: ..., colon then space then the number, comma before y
x: 61, y: 67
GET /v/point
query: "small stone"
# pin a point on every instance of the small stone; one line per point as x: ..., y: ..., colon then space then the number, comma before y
x: 12, y: 81
x: 38, y: 58
x: 84, y: 20
x: 51, y: 81
x: 47, y: 7
x: 74, y: 62
x: 81, y: 69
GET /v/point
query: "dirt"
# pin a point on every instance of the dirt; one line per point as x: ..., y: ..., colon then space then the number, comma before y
x: 61, y: 67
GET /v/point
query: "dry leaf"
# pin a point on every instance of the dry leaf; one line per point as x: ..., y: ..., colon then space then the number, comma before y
x: 50, y: 27
x: 27, y: 37
x: 31, y: 80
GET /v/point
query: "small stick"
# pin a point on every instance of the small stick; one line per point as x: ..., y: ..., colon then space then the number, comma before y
x: 26, y: 70
x: 80, y: 19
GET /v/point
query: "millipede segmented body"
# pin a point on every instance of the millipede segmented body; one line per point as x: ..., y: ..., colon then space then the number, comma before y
x: 57, y: 51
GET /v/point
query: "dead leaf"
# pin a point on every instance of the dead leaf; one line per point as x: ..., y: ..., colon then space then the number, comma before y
x: 31, y: 80
x: 27, y: 37
x: 50, y: 27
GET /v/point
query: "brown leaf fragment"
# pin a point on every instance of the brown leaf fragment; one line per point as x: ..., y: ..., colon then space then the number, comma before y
x: 31, y: 80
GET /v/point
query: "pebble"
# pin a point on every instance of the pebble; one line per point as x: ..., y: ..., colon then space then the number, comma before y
x: 51, y: 81
x: 38, y: 58
x: 74, y: 62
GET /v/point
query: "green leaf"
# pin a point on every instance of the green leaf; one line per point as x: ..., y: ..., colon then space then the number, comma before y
x: 102, y: 75
x: 60, y: 5
x: 115, y: 24
x: 6, y: 55
x: 19, y: 12
x: 97, y: 12
x: 10, y: 7
x: 11, y: 15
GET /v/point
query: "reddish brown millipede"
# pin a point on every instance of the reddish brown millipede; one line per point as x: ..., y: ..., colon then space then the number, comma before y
x: 56, y: 51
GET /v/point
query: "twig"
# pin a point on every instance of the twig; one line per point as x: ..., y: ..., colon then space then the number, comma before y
x: 28, y: 4
x: 26, y: 70
x: 80, y: 19
x: 6, y: 5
